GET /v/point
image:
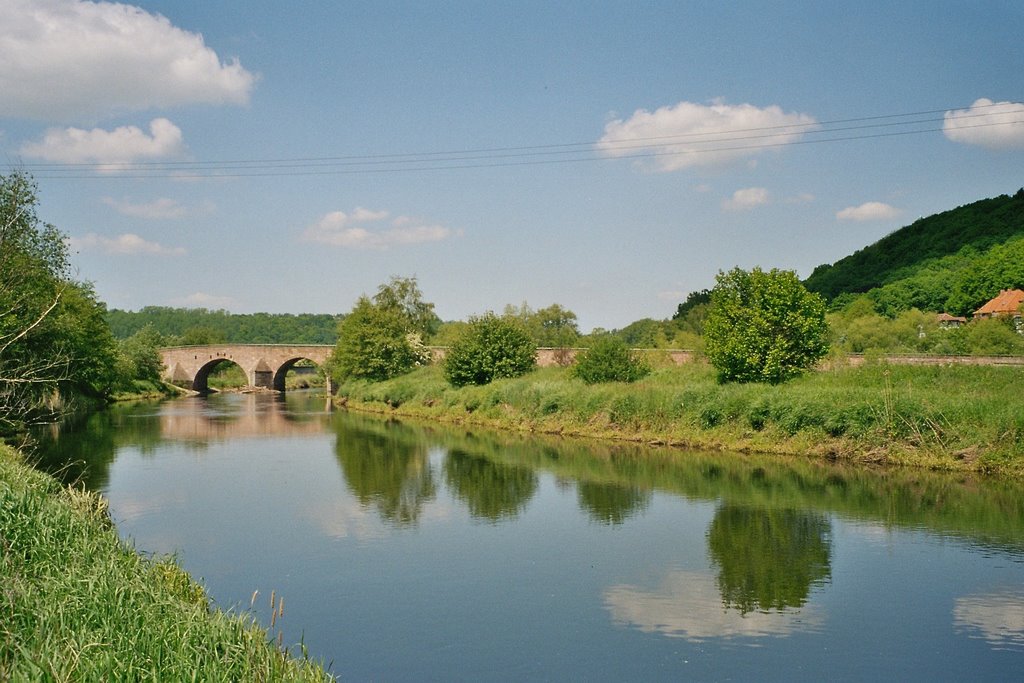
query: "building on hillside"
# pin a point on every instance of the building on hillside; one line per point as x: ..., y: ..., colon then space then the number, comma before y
x: 1007, y: 304
x: 949, y: 322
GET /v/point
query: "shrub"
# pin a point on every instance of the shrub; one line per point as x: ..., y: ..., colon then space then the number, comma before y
x: 764, y: 326
x: 609, y: 360
x: 489, y: 348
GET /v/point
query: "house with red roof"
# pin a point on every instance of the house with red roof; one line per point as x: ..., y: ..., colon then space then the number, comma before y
x: 1007, y: 303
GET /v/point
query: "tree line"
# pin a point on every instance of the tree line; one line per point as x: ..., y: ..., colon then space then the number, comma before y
x: 187, y: 326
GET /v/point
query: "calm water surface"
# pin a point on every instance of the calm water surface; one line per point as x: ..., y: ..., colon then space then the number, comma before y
x: 406, y: 552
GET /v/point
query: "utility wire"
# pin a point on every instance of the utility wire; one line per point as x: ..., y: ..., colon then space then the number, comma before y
x: 494, y: 157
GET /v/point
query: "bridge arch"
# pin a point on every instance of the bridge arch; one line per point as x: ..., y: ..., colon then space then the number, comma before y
x: 265, y: 365
x: 281, y: 374
x: 201, y: 382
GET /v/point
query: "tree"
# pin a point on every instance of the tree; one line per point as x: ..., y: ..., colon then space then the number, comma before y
x: 383, y: 337
x: 403, y: 295
x: 202, y: 335
x: 764, y: 326
x: 490, y: 348
x: 553, y: 327
x: 53, y: 335
x: 609, y: 359
x: 693, y: 300
x: 373, y: 343
x: 140, y: 356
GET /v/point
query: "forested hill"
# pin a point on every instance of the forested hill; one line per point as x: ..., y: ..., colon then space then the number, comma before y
x: 980, y: 226
x: 199, y: 325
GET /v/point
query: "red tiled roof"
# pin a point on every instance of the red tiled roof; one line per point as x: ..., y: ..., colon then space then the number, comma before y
x: 947, y: 318
x: 1008, y: 301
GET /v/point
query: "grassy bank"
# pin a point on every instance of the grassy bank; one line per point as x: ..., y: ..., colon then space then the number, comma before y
x: 955, y: 418
x: 77, y: 604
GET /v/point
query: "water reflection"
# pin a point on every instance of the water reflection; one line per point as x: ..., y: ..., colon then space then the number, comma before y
x: 611, y: 503
x: 370, y: 527
x: 996, y: 617
x: 769, y: 559
x: 688, y: 605
x: 388, y: 468
x: 81, y: 449
x: 492, y: 491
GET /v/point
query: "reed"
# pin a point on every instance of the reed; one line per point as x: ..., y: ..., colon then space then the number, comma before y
x: 78, y: 604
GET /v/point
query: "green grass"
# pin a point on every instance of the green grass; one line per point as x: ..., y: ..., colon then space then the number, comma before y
x: 958, y: 418
x: 77, y: 604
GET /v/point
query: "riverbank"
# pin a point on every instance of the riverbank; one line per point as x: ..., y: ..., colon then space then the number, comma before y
x: 944, y: 418
x: 78, y: 604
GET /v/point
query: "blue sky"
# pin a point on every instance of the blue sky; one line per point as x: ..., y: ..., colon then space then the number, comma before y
x: 609, y: 157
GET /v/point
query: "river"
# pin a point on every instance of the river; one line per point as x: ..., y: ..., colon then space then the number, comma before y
x: 415, y: 552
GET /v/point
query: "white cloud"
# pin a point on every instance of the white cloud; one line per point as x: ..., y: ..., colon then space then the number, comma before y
x: 868, y: 211
x: 156, y: 209
x: 746, y: 199
x: 366, y: 229
x: 995, y: 125
x: 128, y: 243
x: 122, y: 145
x: 202, y: 300
x: 62, y: 61
x: 687, y: 134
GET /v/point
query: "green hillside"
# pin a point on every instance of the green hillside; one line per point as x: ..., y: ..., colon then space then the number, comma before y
x: 942, y: 244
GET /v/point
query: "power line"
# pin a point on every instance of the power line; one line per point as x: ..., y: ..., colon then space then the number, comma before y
x: 495, y: 157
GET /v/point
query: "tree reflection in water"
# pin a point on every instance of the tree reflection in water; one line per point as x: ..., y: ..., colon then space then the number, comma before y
x: 769, y: 559
x: 389, y: 470
x: 490, y: 490
x: 610, y: 503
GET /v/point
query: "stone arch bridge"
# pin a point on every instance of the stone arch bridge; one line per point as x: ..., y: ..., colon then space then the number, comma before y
x: 265, y: 365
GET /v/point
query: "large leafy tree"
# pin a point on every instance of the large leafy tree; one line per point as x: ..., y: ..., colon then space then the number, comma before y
x: 383, y: 337
x: 403, y: 296
x: 764, y: 326
x: 54, y: 340
x: 372, y: 344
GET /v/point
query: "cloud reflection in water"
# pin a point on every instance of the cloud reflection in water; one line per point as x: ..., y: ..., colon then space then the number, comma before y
x: 689, y: 605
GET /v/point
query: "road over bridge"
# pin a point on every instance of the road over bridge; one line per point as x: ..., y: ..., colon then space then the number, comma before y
x: 265, y: 365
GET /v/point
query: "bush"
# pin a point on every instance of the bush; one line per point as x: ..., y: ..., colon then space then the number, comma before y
x: 609, y: 360
x: 764, y: 326
x: 489, y: 348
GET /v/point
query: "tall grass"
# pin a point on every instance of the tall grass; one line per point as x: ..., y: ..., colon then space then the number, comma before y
x: 957, y: 417
x: 77, y: 604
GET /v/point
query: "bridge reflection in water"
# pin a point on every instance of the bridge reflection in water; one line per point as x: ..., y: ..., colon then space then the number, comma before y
x: 250, y: 416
